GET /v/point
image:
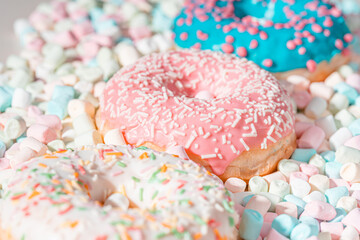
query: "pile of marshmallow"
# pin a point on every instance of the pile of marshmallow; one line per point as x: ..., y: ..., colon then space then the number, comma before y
x: 49, y: 93
x: 316, y: 193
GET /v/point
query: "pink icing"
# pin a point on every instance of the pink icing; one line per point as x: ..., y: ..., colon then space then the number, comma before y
x: 154, y: 101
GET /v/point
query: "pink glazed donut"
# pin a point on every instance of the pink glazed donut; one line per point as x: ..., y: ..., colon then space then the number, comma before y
x: 230, y: 115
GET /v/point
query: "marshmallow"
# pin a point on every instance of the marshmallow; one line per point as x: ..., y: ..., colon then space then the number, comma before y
x: 275, y: 235
x: 300, y: 82
x: 303, y: 154
x: 347, y: 91
x: 347, y: 203
x: 338, y: 102
x: 349, y: 233
x: 301, y: 231
x: 334, y: 228
x: 286, y: 208
x: 319, y: 210
x: 77, y: 107
x: 352, y: 219
x: 344, y: 117
x: 308, y: 169
x: 318, y: 162
x: 286, y: 167
x: 319, y: 183
x: 52, y: 121
x: 5, y: 99
x: 22, y: 156
x: 114, y: 137
x: 56, y: 145
x: 334, y: 194
x: 339, y: 138
x: 83, y: 123
x: 15, y: 127
x: 311, y: 138
x: 332, y: 169
x: 38, y: 147
x: 300, y: 188
x: 2, y: 149
x: 298, y: 175
x: 21, y: 98
x: 350, y: 172
x: 327, y: 124
x: 274, y: 176
x: 41, y: 133
x: 333, y: 79
x: 354, y: 81
x: 354, y: 127
x: 279, y: 187
x: 315, y: 196
x: 301, y: 98
x: 347, y: 154
x: 328, y: 156
x: 316, y: 107
x: 250, y: 224
x: 258, y: 184
x: 274, y: 199
x: 284, y: 224
x: 92, y: 137
x: 235, y: 185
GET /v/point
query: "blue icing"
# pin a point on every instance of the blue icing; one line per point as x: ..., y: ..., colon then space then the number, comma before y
x: 274, y: 47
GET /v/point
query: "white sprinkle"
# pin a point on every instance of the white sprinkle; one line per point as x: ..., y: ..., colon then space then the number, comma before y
x: 208, y: 156
x: 244, y: 144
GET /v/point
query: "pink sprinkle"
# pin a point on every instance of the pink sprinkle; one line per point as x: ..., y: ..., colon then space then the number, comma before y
x: 227, y: 48
x: 339, y: 44
x: 197, y: 46
x: 241, y: 51
x: 328, y: 22
x: 302, y: 51
x: 180, y: 22
x: 311, y: 39
x: 226, y: 29
x: 218, y: 26
x: 316, y: 28
x: 241, y: 28
x: 263, y: 35
x: 290, y: 45
x: 229, y: 39
x: 201, y: 35
x: 348, y: 37
x: 311, y: 65
x: 253, y: 30
x: 184, y: 36
x: 326, y: 32
x: 253, y: 44
x: 298, y: 41
x: 268, y: 63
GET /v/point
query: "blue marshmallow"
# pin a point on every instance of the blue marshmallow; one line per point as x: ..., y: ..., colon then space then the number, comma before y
x: 340, y: 214
x: 284, y: 224
x: 354, y: 127
x: 250, y: 224
x: 334, y: 194
x: 303, y: 155
x: 347, y: 90
x: 5, y: 99
x: 332, y: 169
x: 59, y: 101
x: 312, y: 223
x: 328, y: 156
x: 246, y: 199
x: 2, y: 149
x: 301, y: 231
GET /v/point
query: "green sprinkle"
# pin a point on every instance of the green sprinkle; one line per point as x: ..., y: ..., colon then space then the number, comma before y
x: 182, y: 191
x: 176, y: 233
x: 18, y: 170
x: 184, y: 201
x: 199, y: 220
x: 160, y: 235
x: 227, y: 193
x: 135, y: 179
x: 155, y: 194
x: 153, y: 176
x: 82, y: 208
x: 181, y: 171
x: 118, y: 237
x: 121, y: 164
x: 152, y: 156
x: 23, y: 237
x: 142, y: 148
x: 231, y: 221
x: 65, y: 157
x: 141, y: 194
x: 7, y: 194
x: 207, y: 188
x: 48, y: 175
x: 34, y: 170
x: 227, y: 206
x: 122, y: 222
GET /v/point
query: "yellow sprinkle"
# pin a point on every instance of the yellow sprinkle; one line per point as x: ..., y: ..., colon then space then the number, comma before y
x: 42, y: 165
x: 33, y: 194
x: 163, y: 168
x: 144, y: 155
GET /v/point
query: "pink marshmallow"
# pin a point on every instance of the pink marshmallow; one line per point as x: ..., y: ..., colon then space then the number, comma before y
x: 319, y: 210
x: 34, y: 144
x: 353, y: 219
x: 65, y: 39
x: 286, y: 208
x: 22, y: 156
x: 265, y: 229
x: 319, y: 89
x: 354, y: 81
x: 269, y: 217
x: 302, y: 98
x: 274, y: 176
x: 239, y: 209
x: 356, y: 195
x: 90, y: 49
x: 34, y: 111
x: 298, y: 175
x: 82, y: 29
x: 51, y: 121
x: 301, y: 127
x: 4, y: 164
x: 311, y: 138
x: 103, y: 41
x: 259, y: 203
x: 334, y: 228
x: 235, y: 185
x: 139, y: 33
x: 309, y: 169
x: 10, y: 153
x: 275, y: 235
x: 338, y: 183
x: 353, y: 142
x: 300, y: 82
x: 35, y: 44
x: 41, y: 133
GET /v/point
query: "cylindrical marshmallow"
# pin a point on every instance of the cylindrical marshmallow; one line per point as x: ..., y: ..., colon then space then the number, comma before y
x: 319, y: 89
x: 334, y: 194
x: 286, y: 208
x: 286, y: 167
x: 339, y: 138
x: 42, y: 133
x: 319, y: 182
x: 319, y: 210
x: 338, y: 102
x: 258, y: 184
x: 235, y: 185
x: 92, y: 137
x: 15, y: 127
x: 327, y: 124
x: 52, y: 121
x: 315, y: 196
x: 83, y: 123
x: 300, y: 188
x: 347, y: 203
x: 259, y: 203
x: 347, y: 154
x: 33, y: 144
x: 114, y: 137
x: 316, y: 107
x: 344, y: 117
x: 22, y: 156
x: 311, y: 138
x: 279, y: 187
x: 78, y: 107
x: 350, y: 172
x: 284, y: 224
x: 21, y: 98
x: 318, y: 162
x: 349, y: 233
x: 250, y: 224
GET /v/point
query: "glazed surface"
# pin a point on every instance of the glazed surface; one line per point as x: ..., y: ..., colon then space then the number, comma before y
x: 61, y: 196
x: 278, y: 35
x: 154, y: 101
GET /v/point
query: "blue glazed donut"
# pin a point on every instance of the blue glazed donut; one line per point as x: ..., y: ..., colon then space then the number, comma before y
x: 278, y: 35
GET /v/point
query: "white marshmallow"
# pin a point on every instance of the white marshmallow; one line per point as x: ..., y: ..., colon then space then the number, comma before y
x: 327, y: 124
x: 83, y: 123
x: 319, y: 182
x: 279, y: 187
x: 339, y: 138
x: 114, y: 137
x: 315, y: 196
x: 77, y: 107
x: 316, y: 107
x: 350, y: 172
x: 347, y: 203
x: 344, y: 117
x: 258, y: 184
x: 15, y: 127
x: 91, y: 137
x: 21, y: 98
x: 286, y: 167
x: 346, y: 154
x: 235, y: 185
x: 56, y: 145
x: 300, y: 188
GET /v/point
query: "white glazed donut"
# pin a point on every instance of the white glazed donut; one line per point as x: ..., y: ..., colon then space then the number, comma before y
x: 86, y: 194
